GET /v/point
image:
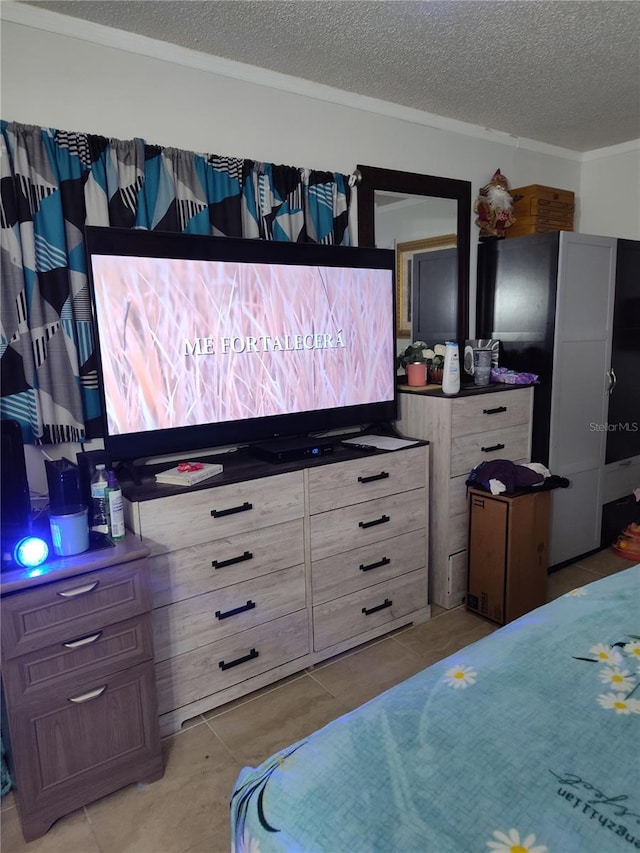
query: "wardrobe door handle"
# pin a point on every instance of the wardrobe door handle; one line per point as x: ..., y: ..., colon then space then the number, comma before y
x: 87, y: 697
x: 83, y: 641
x: 79, y: 590
x: 613, y: 380
x: 218, y: 513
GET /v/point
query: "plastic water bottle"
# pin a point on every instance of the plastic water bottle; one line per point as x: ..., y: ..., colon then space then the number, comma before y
x: 115, y: 510
x: 99, y: 486
x: 451, y: 369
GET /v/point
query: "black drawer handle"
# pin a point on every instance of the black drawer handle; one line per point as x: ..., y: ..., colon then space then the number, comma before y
x: 220, y: 564
x: 383, y: 475
x: 386, y: 603
x: 492, y: 448
x: 253, y: 654
x: 383, y: 562
x: 382, y: 520
x: 218, y: 513
x: 495, y: 411
x: 250, y: 605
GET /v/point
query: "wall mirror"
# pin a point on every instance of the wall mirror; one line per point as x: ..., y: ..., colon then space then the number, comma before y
x: 419, y: 214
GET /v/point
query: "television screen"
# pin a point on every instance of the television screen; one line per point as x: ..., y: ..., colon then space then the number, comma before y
x: 206, y: 341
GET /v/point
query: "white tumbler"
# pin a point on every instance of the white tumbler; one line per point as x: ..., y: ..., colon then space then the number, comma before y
x: 70, y: 532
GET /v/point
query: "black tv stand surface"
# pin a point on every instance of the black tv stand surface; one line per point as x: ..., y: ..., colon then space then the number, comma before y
x: 238, y: 465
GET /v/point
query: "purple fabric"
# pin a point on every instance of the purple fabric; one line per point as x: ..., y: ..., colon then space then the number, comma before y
x: 513, y: 476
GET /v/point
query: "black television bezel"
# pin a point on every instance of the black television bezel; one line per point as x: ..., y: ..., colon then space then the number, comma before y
x: 133, y: 242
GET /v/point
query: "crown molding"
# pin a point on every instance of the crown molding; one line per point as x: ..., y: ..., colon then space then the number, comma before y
x: 53, y: 22
x: 611, y: 150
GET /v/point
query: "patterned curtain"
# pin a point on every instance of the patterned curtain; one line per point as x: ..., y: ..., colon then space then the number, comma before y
x: 53, y: 183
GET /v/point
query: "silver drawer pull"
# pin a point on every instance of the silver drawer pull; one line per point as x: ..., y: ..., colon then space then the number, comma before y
x: 79, y: 590
x: 83, y: 641
x: 87, y: 697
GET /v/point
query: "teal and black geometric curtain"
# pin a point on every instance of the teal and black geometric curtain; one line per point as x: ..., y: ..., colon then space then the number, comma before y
x: 53, y: 183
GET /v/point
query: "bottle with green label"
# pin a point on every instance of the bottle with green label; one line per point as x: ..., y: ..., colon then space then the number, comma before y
x: 99, y: 486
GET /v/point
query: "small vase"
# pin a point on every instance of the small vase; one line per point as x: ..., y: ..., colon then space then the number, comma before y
x: 435, y: 375
x: 417, y: 373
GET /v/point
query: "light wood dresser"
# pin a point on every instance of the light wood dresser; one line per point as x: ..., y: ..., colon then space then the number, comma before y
x: 78, y: 681
x: 463, y: 430
x: 271, y: 568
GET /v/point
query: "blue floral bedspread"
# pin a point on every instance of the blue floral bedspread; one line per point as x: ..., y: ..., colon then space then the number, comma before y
x: 526, y: 741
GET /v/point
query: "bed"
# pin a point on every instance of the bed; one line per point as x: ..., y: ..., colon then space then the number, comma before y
x: 526, y: 741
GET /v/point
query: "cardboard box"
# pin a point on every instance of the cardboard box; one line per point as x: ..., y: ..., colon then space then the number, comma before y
x: 508, y: 553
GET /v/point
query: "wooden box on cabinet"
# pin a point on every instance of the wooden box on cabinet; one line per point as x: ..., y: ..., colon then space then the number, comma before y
x: 540, y: 209
x: 508, y: 553
x: 78, y: 682
x: 463, y: 431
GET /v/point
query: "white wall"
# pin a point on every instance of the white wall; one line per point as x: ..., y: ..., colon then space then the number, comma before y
x: 87, y: 78
x: 610, y: 181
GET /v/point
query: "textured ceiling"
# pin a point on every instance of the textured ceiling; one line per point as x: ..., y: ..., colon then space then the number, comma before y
x: 562, y: 72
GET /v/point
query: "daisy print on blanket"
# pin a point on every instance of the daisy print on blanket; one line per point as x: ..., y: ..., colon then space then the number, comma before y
x: 511, y: 843
x: 606, y: 654
x: 619, y: 703
x: 617, y: 679
x: 460, y: 676
x: 633, y: 650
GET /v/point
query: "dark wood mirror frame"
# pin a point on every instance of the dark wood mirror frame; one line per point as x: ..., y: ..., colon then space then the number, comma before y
x: 409, y: 183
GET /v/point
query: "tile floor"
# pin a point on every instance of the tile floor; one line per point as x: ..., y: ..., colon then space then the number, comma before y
x: 187, y: 810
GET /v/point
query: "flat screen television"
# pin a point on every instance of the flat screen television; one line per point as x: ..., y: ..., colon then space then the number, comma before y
x: 215, y: 341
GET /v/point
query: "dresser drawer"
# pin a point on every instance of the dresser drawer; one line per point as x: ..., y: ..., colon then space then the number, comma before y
x: 347, y: 483
x: 361, y: 567
x: 350, y: 615
x: 365, y: 523
x: 195, y: 622
x: 179, y: 521
x: 68, y: 609
x: 177, y: 575
x: 214, y: 667
x: 490, y: 411
x: 106, y: 724
x: 91, y: 656
x: 469, y: 450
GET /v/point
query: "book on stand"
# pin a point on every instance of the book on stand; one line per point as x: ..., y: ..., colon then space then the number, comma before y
x: 188, y: 473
